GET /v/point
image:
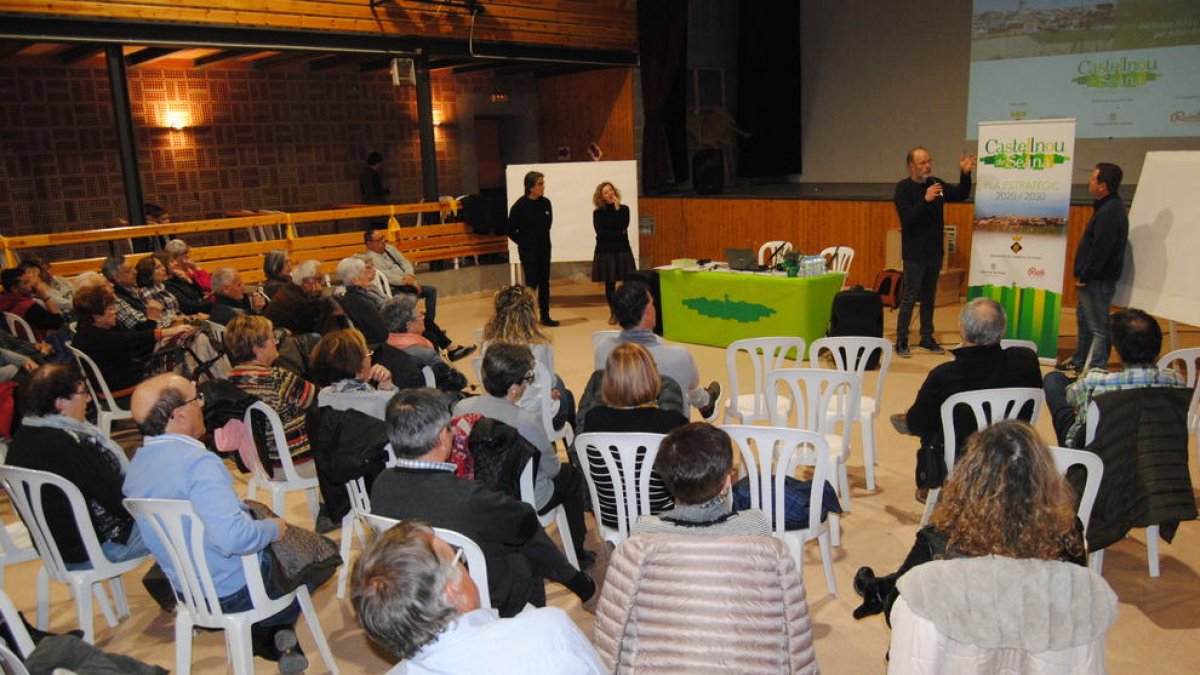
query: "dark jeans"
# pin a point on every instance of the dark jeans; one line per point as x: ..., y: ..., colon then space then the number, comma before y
x: 1062, y: 413
x: 569, y: 489
x: 920, y: 285
x: 1091, y: 316
x: 536, y: 266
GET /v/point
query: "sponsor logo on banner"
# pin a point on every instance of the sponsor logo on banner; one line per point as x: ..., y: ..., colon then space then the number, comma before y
x: 1181, y: 116
x: 1022, y: 154
x: 1037, y: 272
x: 1117, y: 73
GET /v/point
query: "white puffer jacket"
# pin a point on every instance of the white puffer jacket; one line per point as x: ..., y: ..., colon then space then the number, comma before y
x: 686, y: 604
x: 1001, y: 615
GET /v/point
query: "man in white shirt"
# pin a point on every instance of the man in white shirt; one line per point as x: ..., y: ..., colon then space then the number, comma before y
x: 413, y: 596
x: 633, y: 308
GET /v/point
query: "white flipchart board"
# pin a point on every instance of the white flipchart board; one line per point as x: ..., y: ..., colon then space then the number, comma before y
x: 569, y: 187
x: 1160, y: 274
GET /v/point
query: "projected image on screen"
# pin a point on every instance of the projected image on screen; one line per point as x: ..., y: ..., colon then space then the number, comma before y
x: 1126, y: 68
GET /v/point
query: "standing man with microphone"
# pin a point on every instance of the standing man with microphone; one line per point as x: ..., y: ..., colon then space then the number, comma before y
x: 919, y: 200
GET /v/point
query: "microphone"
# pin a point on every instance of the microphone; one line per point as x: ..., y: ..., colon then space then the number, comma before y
x: 930, y: 182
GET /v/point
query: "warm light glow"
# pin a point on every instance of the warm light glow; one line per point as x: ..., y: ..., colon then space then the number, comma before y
x: 437, y: 118
x: 176, y: 119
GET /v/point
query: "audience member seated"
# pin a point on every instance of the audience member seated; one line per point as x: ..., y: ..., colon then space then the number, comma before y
x: 414, y: 597
x: 230, y: 297
x: 979, y: 363
x: 507, y: 371
x: 181, y: 259
x: 253, y: 348
x: 55, y: 436
x: 514, y: 320
x: 634, y: 310
x: 1005, y: 498
x: 14, y: 365
x: 27, y: 296
x: 61, y: 291
x: 132, y: 311
x: 1138, y: 340
x: 423, y: 485
x: 696, y: 463
x: 277, y: 272
x: 404, y: 323
x: 346, y: 426
x: 124, y: 357
x: 302, y: 305
x: 629, y: 392
x: 152, y: 275
x: 362, y: 300
x: 173, y: 464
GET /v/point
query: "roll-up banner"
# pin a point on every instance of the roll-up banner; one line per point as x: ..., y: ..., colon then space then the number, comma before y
x: 1019, y: 243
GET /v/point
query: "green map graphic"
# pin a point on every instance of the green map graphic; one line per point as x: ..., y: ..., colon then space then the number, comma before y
x: 1036, y: 161
x: 742, y: 312
x: 1113, y: 80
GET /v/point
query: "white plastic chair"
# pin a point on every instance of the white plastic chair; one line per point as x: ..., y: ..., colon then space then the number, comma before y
x: 1065, y: 458
x: 989, y: 406
x: 381, y: 283
x: 850, y: 355
x: 842, y: 256
x: 10, y: 552
x: 107, y: 410
x: 261, y: 476
x: 1190, y: 360
x: 360, y: 505
x: 556, y: 515
x: 19, y: 327
x: 1018, y: 342
x: 823, y: 400
x: 476, y: 563
x: 181, y: 533
x: 770, y: 454
x: 24, y: 644
x: 748, y: 404
x: 598, y: 339
x: 25, y: 488
x: 775, y: 248
x: 630, y: 488
x: 430, y: 380
x: 218, y: 333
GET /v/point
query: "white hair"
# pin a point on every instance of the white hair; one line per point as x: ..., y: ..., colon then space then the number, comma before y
x: 86, y: 279
x: 177, y: 247
x: 222, y: 277
x: 350, y: 269
x: 306, y: 269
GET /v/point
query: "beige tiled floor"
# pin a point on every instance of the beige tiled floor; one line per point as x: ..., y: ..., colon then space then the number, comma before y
x: 1158, y: 630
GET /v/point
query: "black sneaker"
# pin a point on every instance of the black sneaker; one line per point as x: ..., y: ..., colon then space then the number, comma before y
x: 931, y: 346
x: 459, y: 353
x: 714, y: 399
x: 547, y: 321
x: 291, y: 659
x: 903, y: 351
x: 1067, y: 365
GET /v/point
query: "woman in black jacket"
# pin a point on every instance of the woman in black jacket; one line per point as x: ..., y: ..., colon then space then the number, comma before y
x: 614, y: 257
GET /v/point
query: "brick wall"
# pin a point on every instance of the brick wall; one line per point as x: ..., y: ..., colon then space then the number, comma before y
x: 276, y: 139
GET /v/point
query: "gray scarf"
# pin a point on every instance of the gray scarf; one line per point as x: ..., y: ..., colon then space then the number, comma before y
x: 75, y: 427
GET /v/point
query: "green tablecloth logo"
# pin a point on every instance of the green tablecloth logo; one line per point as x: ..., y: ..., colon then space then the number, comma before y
x: 742, y: 312
x: 1117, y: 73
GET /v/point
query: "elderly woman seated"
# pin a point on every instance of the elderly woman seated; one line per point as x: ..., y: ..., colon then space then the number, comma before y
x: 180, y: 258
x: 404, y: 324
x: 55, y: 436
x: 302, y: 306
x: 153, y: 274
x: 124, y: 357
x: 346, y: 427
x: 695, y: 461
x: 277, y: 272
x: 253, y: 348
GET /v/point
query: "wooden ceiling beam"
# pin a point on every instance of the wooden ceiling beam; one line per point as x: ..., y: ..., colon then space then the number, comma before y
x: 10, y: 47
x: 216, y: 57
x: 147, y: 55
x: 282, y: 59
x: 80, y: 53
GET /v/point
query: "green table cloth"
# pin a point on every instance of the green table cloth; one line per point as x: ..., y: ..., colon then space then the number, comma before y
x: 716, y: 308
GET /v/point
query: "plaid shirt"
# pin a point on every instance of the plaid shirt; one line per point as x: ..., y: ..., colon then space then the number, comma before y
x: 1096, y: 382
x: 421, y: 464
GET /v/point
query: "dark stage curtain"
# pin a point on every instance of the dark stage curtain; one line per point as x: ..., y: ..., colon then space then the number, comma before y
x: 662, y: 42
x: 769, y: 88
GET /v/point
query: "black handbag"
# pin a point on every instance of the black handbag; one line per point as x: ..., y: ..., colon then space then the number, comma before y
x: 301, y: 557
x: 931, y: 464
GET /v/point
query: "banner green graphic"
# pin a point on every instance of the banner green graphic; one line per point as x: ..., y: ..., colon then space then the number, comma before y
x: 1019, y: 243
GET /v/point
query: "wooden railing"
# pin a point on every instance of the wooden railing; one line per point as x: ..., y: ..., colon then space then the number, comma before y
x: 421, y: 243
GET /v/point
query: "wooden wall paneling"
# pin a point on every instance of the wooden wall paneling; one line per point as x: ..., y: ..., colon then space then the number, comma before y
x: 609, y: 24
x: 581, y: 108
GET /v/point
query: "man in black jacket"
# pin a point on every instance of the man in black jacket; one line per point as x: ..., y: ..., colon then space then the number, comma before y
x: 230, y: 298
x: 1098, y: 262
x: 423, y: 486
x: 980, y: 363
x: 529, y: 223
x: 919, y: 200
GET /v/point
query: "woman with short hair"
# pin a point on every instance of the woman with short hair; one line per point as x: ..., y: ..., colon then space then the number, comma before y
x: 180, y: 256
x: 253, y: 347
x: 277, y: 270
